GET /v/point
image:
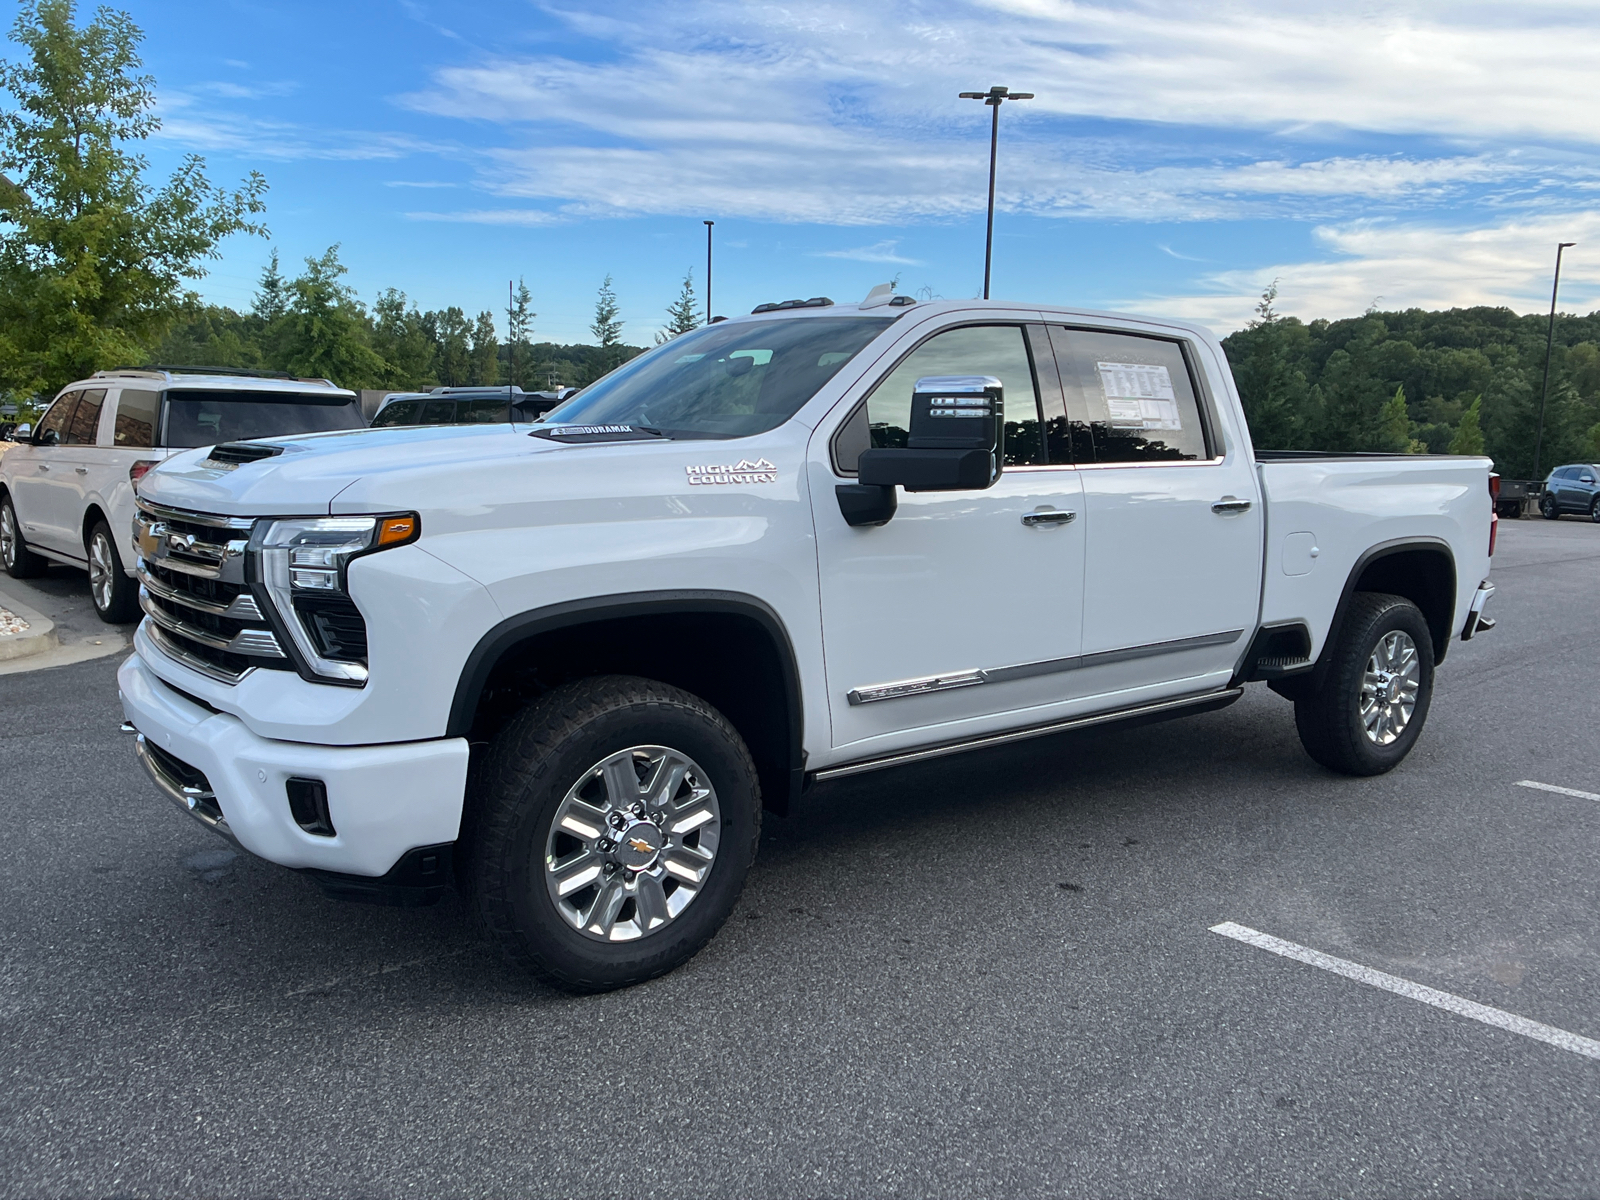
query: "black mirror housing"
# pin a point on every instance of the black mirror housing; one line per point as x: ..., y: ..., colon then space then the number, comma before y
x: 929, y: 470
x: 866, y: 504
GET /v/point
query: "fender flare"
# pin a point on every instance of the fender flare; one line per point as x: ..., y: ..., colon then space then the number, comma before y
x: 494, y: 644
x: 1429, y: 544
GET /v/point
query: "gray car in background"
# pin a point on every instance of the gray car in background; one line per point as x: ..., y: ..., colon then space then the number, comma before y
x: 1572, y: 489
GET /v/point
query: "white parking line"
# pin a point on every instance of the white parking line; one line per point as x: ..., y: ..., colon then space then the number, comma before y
x: 1560, y: 791
x: 1413, y: 991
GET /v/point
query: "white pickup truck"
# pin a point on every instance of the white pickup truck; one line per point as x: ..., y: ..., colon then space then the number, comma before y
x: 564, y: 670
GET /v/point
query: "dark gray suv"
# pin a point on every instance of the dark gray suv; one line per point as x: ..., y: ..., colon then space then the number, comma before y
x: 1572, y: 489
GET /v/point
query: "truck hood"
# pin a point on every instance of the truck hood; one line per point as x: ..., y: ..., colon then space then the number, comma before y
x: 310, y: 470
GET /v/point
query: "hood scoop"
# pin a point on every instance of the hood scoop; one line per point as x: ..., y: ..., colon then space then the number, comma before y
x: 231, y: 455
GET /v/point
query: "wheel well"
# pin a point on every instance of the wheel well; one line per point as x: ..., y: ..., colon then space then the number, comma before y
x: 738, y: 661
x: 1423, y: 574
x: 91, y: 515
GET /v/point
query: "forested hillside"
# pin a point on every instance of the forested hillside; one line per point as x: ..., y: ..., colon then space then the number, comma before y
x: 1464, y: 380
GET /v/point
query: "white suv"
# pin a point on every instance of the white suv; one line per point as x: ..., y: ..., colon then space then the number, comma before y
x: 66, y: 494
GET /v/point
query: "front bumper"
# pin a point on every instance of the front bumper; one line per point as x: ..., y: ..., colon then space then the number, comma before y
x: 382, y: 800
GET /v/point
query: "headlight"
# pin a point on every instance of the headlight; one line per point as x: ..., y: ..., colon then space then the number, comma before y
x: 303, y: 565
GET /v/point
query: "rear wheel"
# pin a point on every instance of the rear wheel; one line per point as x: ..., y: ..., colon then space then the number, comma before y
x: 116, y: 596
x: 1374, y: 699
x: 18, y: 560
x: 614, y: 822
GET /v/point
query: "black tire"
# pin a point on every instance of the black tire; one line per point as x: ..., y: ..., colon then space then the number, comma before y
x: 18, y: 560
x: 1548, y: 509
x: 1329, y: 720
x: 1594, y: 511
x: 523, y: 780
x: 116, y: 593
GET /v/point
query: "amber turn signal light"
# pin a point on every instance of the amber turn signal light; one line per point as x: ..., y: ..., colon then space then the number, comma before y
x: 394, y: 530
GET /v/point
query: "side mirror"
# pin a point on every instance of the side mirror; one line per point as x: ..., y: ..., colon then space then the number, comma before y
x: 23, y: 433
x: 45, y: 437
x: 955, y: 444
x: 1586, y: 479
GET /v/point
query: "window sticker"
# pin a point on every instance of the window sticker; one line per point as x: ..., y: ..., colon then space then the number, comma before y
x: 1139, y: 396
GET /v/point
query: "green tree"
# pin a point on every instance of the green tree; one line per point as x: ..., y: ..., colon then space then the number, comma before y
x: 401, y: 338
x: 682, y: 313
x: 1394, y: 426
x: 607, y: 329
x: 325, y: 330
x: 271, y: 300
x: 519, y: 329
x: 452, y: 337
x: 1268, y: 366
x: 485, y: 351
x: 93, y: 258
x: 1469, y: 436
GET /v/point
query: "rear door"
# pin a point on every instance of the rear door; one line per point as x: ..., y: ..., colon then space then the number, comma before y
x: 79, y: 462
x: 131, y: 427
x: 1172, y: 558
x: 964, y: 608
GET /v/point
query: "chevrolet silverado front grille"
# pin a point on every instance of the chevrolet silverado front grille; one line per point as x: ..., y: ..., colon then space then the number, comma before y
x: 192, y: 587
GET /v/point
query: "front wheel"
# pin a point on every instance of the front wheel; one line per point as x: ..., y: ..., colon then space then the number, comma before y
x: 1548, y: 509
x: 18, y: 560
x: 1594, y: 511
x: 1374, y: 699
x: 614, y: 822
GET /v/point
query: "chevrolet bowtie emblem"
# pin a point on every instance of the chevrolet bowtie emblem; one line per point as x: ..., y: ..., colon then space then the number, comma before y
x: 639, y: 844
x: 181, y: 541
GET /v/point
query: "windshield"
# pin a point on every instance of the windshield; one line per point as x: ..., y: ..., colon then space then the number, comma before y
x: 196, y: 418
x: 724, y: 381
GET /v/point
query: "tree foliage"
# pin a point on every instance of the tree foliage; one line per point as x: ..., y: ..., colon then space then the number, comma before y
x: 93, y: 257
x: 1408, y: 381
x: 683, y: 313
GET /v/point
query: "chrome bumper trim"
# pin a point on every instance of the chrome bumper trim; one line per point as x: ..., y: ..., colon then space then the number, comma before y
x: 199, y: 803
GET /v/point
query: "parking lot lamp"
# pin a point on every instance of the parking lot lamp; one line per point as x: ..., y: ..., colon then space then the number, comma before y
x: 1549, y: 340
x: 994, y: 98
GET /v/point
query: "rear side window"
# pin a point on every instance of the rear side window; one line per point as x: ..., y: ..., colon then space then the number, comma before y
x: 997, y: 350
x: 1133, y: 393
x: 137, y: 411
x: 439, y: 412
x: 401, y: 412
x: 53, y: 425
x: 85, y: 423
x: 204, y: 418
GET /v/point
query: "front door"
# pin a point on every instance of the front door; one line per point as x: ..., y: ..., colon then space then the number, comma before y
x: 965, y: 608
x: 1173, y: 520
x: 43, y: 482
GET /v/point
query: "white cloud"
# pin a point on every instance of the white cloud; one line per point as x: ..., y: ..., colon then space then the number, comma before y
x: 878, y: 252
x: 493, y: 216
x: 1398, y: 265
x: 845, y: 113
x: 417, y: 183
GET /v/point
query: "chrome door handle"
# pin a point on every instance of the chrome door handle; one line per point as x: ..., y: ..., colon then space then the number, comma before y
x: 44, y: 466
x: 1230, y: 504
x: 81, y: 470
x: 1048, y: 517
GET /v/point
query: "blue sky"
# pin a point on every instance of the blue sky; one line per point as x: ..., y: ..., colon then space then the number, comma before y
x: 1178, y: 157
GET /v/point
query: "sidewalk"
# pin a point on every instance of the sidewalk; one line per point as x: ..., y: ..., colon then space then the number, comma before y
x: 62, y: 626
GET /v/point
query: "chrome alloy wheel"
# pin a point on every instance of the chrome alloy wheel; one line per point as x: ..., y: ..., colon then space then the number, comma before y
x: 8, y: 536
x: 102, y: 571
x: 1389, y: 687
x: 632, y: 843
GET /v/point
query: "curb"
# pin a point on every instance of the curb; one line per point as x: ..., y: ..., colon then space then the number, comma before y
x: 39, y: 637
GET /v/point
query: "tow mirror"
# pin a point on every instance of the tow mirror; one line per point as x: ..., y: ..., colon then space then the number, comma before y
x: 955, y: 443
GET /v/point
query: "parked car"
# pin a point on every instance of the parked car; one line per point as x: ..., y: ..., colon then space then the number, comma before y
x: 1572, y: 489
x: 566, y: 666
x: 67, y: 493
x: 467, y: 406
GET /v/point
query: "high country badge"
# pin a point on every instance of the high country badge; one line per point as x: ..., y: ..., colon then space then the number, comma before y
x: 743, y: 471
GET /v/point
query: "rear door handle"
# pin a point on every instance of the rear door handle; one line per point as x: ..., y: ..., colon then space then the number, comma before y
x: 81, y: 470
x: 1048, y: 517
x: 1230, y: 504
x: 44, y: 466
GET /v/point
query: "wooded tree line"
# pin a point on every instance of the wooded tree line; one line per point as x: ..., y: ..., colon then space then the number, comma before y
x: 1461, y: 380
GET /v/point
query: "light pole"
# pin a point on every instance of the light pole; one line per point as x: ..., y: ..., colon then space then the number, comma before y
x: 994, y: 98
x: 708, y: 224
x: 1549, y: 340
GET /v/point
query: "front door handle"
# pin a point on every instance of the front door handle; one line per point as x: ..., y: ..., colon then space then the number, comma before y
x: 1048, y: 517
x: 1230, y: 504
x: 44, y: 466
x: 81, y: 470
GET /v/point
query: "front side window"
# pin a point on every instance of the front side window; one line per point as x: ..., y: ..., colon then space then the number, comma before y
x: 723, y: 381
x: 85, y: 423
x: 439, y: 412
x: 204, y: 418
x: 997, y: 350
x: 53, y: 425
x: 1133, y: 393
x: 486, y: 410
x: 397, y: 412
x: 137, y: 412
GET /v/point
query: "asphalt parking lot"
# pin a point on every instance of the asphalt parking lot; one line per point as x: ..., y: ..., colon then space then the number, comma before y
x: 986, y: 976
